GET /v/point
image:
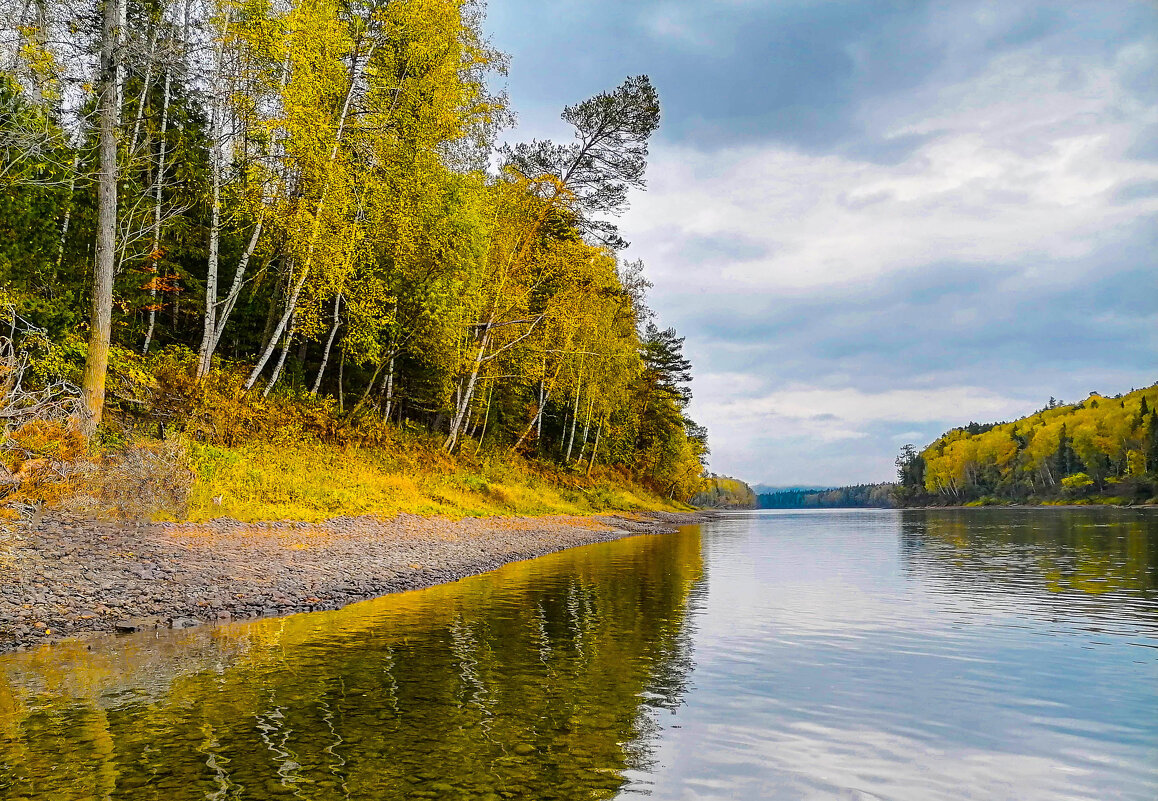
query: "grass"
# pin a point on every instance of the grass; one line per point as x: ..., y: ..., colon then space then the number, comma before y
x: 286, y: 457
x: 311, y: 481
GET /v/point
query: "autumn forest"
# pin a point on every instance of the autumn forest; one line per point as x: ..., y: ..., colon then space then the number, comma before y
x: 303, y: 208
x: 1103, y: 449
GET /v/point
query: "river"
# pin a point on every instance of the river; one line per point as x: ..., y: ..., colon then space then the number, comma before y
x: 990, y: 654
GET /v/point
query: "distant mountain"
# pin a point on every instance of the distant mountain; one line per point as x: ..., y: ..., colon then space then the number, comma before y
x: 723, y: 492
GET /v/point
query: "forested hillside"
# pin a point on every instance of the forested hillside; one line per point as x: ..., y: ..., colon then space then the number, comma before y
x: 297, y: 215
x: 723, y: 492
x: 856, y: 496
x: 1102, y: 449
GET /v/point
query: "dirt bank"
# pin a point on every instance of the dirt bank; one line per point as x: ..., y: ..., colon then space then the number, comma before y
x: 66, y: 576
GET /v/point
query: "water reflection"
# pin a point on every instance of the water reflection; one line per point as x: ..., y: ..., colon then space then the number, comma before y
x: 997, y: 654
x: 1087, y: 551
x: 533, y: 682
x: 937, y: 655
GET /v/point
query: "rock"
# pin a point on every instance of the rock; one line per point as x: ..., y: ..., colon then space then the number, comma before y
x: 182, y: 623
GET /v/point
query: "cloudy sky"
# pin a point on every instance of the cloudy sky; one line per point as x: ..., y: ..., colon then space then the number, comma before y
x: 874, y: 221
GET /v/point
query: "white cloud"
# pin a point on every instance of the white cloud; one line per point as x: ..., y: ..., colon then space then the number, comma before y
x: 852, y: 407
x: 1021, y: 164
x: 751, y: 431
x: 1016, y: 172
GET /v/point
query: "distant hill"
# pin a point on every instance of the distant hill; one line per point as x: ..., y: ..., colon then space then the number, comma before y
x: 770, y: 489
x: 858, y: 496
x: 1102, y: 450
x: 722, y: 492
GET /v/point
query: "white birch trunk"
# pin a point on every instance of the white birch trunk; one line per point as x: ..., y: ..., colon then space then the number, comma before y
x: 290, y: 307
x: 586, y: 430
x: 281, y: 360
x: 387, y: 406
x: 329, y: 344
x: 486, y: 418
x: 235, y: 288
x: 205, y: 355
x: 67, y: 210
x: 574, y: 423
x: 464, y: 402
x: 157, y: 187
x: 315, y: 226
x: 595, y: 448
x: 148, y: 79
x: 536, y: 423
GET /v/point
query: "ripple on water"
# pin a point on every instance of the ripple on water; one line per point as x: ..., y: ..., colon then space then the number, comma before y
x: 853, y: 655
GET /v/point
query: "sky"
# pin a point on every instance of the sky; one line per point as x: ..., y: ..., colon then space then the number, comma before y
x: 875, y: 221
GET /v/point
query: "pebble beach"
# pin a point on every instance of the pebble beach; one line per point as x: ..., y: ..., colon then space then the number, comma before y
x: 65, y: 576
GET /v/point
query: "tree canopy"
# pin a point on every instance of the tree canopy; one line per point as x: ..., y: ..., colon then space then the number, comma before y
x: 300, y: 194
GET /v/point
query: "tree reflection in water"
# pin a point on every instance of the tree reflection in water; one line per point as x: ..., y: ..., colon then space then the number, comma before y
x: 537, y: 681
x: 1036, y: 553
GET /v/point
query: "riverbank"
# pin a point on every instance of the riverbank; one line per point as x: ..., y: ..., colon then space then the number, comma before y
x: 65, y: 576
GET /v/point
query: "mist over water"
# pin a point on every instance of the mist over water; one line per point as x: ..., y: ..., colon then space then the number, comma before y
x: 860, y: 654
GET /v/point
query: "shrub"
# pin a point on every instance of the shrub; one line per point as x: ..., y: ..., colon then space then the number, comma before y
x: 140, y: 482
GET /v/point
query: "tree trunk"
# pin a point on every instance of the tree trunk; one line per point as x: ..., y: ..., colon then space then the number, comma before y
x: 536, y: 423
x: 146, y: 81
x: 464, y: 401
x: 285, y: 346
x: 586, y: 430
x: 215, y: 158
x: 595, y: 448
x: 329, y: 344
x: 486, y: 418
x: 389, y: 402
x: 122, y: 26
x: 67, y: 211
x: 369, y: 386
x: 316, y: 224
x: 154, y: 253
x: 272, y: 315
x: 216, y: 165
x: 234, y: 290
x: 290, y: 307
x: 539, y: 413
x: 100, y: 325
x: 574, y: 424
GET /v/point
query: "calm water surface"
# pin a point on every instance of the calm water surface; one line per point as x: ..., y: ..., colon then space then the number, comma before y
x: 797, y: 655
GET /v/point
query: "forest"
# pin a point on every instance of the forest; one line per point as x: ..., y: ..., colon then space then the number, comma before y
x: 855, y: 496
x: 725, y: 492
x: 1101, y: 450
x: 232, y: 220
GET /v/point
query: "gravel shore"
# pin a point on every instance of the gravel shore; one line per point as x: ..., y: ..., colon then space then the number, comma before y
x: 66, y: 576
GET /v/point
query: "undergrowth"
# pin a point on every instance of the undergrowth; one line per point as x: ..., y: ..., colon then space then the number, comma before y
x: 181, y: 449
x: 313, y: 481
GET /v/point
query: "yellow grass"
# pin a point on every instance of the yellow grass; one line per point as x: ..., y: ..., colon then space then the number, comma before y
x: 311, y: 481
